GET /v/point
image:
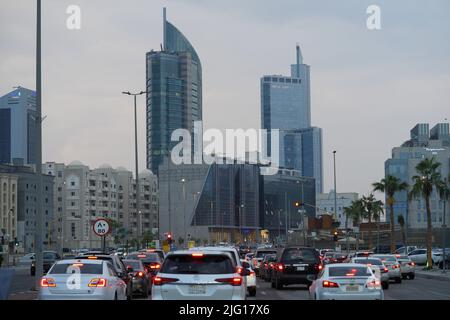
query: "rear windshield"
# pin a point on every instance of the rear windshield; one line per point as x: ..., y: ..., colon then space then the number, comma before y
x: 387, y: 258
x: 349, y: 272
x: 187, y: 264
x: 375, y: 262
x: 49, y: 256
x: 261, y: 254
x: 136, y: 265
x: 340, y: 255
x: 363, y: 254
x: 83, y: 268
x: 299, y: 255
x: 152, y: 257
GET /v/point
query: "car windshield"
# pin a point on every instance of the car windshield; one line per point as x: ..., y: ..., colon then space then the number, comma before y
x: 261, y: 254
x: 295, y: 255
x: 329, y: 254
x: 80, y: 268
x: 349, y: 271
x: 189, y: 264
x: 145, y: 257
x: 135, y: 264
x: 375, y: 262
x: 49, y: 255
x: 403, y: 258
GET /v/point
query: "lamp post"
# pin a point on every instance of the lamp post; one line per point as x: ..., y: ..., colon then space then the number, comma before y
x: 138, y: 193
x: 444, y: 227
x: 241, y: 206
x: 183, y: 181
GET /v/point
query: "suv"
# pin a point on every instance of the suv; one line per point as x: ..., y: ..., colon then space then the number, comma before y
x: 296, y: 265
x: 118, y: 265
x: 259, y: 256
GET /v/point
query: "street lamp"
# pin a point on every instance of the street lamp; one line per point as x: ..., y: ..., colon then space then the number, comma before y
x: 241, y: 206
x: 183, y: 181
x: 136, y: 160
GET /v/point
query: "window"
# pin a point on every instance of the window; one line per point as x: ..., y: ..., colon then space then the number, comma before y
x: 72, y: 183
x: 59, y: 174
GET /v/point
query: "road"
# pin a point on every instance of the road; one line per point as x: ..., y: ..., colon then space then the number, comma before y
x: 417, y: 289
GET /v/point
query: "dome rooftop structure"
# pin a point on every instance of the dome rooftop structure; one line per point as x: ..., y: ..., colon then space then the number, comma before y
x: 145, y: 173
x: 121, y: 169
x: 105, y: 166
x: 76, y: 163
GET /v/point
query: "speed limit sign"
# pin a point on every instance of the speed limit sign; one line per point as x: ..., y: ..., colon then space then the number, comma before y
x: 101, y: 227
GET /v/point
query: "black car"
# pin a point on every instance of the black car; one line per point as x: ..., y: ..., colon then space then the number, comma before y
x: 141, y: 278
x: 49, y: 258
x: 118, y: 265
x: 151, y: 261
x: 265, y: 270
x: 296, y: 265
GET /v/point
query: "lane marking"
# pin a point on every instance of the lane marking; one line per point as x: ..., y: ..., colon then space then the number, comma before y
x: 263, y: 293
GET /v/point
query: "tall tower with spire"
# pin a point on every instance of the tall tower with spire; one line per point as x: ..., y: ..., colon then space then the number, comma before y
x: 286, y: 106
x: 174, y: 98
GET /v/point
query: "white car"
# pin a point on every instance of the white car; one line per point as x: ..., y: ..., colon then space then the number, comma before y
x: 202, y: 275
x: 394, y: 267
x: 259, y: 256
x: 346, y: 281
x: 82, y: 279
x: 378, y: 269
x: 419, y: 256
x: 408, y: 267
x: 250, y: 279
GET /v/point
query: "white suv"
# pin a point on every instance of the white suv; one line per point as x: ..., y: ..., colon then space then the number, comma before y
x: 199, y: 275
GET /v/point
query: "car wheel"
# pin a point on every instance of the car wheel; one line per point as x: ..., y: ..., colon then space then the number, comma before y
x: 278, y: 284
x: 398, y: 280
x: 385, y: 285
x: 404, y: 276
x: 412, y: 276
x: 115, y: 296
x: 252, y: 291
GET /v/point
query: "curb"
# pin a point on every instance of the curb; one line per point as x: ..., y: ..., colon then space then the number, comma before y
x: 433, y: 276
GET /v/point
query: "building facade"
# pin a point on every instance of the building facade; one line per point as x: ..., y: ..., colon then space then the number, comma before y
x: 423, y: 143
x: 27, y: 204
x: 174, y: 93
x: 286, y: 106
x: 83, y: 195
x: 325, y: 205
x: 8, y: 207
x: 18, y: 126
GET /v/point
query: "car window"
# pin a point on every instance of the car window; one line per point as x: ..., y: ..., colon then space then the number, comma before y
x: 299, y: 255
x: 188, y: 264
x: 375, y: 262
x: 111, y: 270
x: 82, y: 268
x: 349, y: 271
x: 136, y: 265
x: 261, y: 254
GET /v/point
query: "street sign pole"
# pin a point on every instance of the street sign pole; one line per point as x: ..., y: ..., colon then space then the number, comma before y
x: 102, y: 228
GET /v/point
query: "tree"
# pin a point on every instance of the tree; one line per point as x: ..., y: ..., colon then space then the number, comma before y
x: 390, y: 185
x: 372, y: 210
x: 401, y: 222
x: 180, y: 241
x: 354, y: 212
x: 147, y: 237
x: 427, y: 180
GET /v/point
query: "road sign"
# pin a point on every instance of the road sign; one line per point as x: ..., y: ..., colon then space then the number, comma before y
x: 101, y: 227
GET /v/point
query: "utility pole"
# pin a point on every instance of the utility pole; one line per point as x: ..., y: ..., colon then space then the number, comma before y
x: 444, y: 227
x: 38, y: 245
x: 183, y: 181
x: 138, y: 193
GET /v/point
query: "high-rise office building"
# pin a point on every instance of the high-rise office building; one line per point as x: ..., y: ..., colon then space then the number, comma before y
x: 18, y: 126
x: 423, y: 143
x: 174, y: 93
x: 286, y: 106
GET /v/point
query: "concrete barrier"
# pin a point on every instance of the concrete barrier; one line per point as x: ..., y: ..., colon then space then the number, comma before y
x: 6, y: 275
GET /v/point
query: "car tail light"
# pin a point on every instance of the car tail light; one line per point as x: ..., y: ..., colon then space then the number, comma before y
x: 374, y: 284
x: 385, y: 270
x: 141, y: 256
x: 319, y: 267
x: 280, y: 267
x: 140, y: 274
x: 155, y: 266
x: 48, y: 282
x: 252, y: 274
x: 92, y: 257
x: 97, y: 282
x: 159, y: 281
x: 329, y: 284
x: 412, y: 264
x: 239, y: 270
x: 236, y: 281
x: 395, y: 266
x: 197, y: 255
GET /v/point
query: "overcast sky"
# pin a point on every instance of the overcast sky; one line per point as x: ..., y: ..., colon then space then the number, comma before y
x: 369, y: 88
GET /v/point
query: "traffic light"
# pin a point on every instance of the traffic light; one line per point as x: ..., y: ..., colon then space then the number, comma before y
x: 298, y: 203
x: 335, y: 236
x: 169, y: 238
x: 16, y: 243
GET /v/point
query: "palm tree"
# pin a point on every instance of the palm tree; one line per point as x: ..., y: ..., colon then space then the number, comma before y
x: 390, y: 185
x: 401, y: 222
x: 354, y: 212
x: 372, y: 210
x: 428, y: 179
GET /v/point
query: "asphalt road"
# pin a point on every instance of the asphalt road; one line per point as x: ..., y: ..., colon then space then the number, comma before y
x: 417, y: 289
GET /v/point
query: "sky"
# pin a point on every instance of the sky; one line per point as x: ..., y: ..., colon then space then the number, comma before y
x: 368, y: 87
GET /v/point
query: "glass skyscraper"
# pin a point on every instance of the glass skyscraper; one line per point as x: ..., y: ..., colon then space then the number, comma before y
x: 174, y: 93
x: 18, y: 126
x: 286, y: 105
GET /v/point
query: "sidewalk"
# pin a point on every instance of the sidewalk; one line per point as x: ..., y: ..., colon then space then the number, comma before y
x: 435, y: 274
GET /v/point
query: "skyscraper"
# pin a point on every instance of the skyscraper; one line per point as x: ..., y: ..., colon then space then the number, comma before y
x: 286, y: 105
x: 18, y: 126
x: 174, y: 98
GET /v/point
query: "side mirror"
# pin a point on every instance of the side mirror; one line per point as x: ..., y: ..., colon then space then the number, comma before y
x: 245, y: 272
x: 245, y: 265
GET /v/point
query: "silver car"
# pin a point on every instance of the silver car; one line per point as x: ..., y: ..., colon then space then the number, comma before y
x: 346, y: 281
x: 407, y: 267
x: 82, y: 279
x: 394, y: 267
x: 378, y: 268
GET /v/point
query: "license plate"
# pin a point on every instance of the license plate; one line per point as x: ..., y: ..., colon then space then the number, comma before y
x: 352, y: 288
x: 197, y: 289
x: 300, y: 268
